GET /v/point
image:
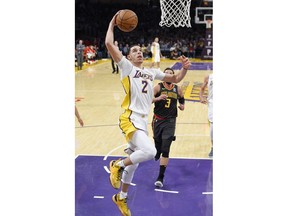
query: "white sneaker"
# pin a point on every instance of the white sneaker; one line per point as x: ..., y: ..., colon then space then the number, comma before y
x: 159, y: 183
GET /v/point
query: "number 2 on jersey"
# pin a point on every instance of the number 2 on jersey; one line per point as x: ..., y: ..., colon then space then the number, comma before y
x: 145, y: 83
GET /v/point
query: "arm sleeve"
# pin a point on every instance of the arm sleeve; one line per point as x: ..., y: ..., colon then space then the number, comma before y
x: 125, y: 67
x: 159, y: 75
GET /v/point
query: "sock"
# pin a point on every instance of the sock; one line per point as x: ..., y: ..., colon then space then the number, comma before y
x: 123, y: 195
x: 121, y: 163
x: 162, y: 171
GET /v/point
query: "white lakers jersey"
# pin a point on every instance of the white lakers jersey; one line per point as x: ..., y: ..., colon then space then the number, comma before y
x: 156, y: 48
x: 156, y: 52
x: 138, y: 86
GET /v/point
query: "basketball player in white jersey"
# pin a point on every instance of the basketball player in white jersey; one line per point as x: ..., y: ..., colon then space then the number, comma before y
x: 208, y: 81
x: 138, y: 86
x: 156, y: 53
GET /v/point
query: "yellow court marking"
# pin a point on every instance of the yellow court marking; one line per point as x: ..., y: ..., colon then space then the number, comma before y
x: 192, y: 92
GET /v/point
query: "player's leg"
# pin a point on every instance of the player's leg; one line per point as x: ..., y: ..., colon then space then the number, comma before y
x: 157, y: 136
x: 141, y: 149
x: 210, y: 119
x: 81, y: 61
x: 144, y: 150
x: 166, y: 144
x: 211, y: 136
x: 158, y: 145
x: 153, y: 60
x: 78, y: 62
x: 120, y: 199
x: 167, y: 138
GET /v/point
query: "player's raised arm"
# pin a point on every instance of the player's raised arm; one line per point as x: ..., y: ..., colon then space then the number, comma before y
x: 109, y: 41
x: 175, y: 78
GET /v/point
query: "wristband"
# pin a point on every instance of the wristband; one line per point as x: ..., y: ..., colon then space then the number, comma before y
x: 181, y: 100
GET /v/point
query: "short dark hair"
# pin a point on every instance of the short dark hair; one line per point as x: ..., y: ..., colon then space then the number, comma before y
x: 168, y: 68
x: 132, y: 46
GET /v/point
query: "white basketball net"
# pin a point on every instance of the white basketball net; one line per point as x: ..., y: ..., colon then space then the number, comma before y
x: 175, y: 12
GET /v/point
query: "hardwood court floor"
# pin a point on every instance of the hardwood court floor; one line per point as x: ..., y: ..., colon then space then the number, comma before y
x: 100, y: 108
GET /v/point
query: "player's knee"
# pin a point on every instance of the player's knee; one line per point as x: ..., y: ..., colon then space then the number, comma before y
x: 165, y: 154
x: 165, y: 151
x: 151, y: 153
x: 158, y: 143
x: 166, y: 147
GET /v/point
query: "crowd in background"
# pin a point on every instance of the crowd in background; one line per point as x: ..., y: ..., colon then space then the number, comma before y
x: 92, y: 20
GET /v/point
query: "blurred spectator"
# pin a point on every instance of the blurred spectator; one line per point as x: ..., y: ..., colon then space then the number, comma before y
x: 191, y: 49
x: 80, y: 54
x: 90, y: 54
x: 173, y: 53
x: 149, y: 50
x: 145, y: 52
x: 184, y: 50
x: 125, y: 50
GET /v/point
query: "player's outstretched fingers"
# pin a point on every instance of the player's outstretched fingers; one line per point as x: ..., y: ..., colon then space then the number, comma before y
x: 186, y: 63
x: 180, y: 58
x: 114, y: 18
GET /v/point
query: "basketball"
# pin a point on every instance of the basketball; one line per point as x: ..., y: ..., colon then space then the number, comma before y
x: 126, y: 20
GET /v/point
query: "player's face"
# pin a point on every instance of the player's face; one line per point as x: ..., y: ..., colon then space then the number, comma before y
x: 136, y: 54
x: 168, y: 72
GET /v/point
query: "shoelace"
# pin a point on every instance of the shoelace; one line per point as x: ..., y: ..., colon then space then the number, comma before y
x: 119, y: 174
x: 125, y: 200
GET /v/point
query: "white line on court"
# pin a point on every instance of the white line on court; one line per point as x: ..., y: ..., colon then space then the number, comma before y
x: 98, y: 197
x: 207, y: 192
x: 106, y: 168
x: 166, y: 191
x: 190, y: 158
x: 193, y: 135
x: 105, y: 158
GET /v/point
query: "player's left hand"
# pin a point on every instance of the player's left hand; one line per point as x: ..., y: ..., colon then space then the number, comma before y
x: 185, y: 62
x: 181, y: 107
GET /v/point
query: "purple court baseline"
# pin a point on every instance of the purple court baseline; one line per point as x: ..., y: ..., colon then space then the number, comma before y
x: 187, y: 191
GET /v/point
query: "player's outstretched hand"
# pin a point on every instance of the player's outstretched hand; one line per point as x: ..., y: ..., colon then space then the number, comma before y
x: 203, y: 100
x: 185, y: 62
x: 113, y: 20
